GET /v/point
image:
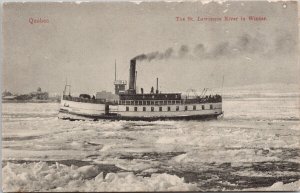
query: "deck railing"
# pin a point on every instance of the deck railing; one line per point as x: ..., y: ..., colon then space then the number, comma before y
x: 214, y: 99
x: 85, y: 100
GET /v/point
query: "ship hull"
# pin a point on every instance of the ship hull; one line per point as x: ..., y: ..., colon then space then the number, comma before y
x: 71, y: 110
x: 74, y: 116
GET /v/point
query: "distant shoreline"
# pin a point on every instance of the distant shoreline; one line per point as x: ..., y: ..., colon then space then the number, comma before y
x: 30, y: 101
x: 258, y: 96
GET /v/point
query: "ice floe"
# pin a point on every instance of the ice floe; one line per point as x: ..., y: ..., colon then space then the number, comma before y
x: 40, y: 176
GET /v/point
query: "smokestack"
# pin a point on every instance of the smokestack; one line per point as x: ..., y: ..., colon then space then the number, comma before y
x: 135, y: 80
x: 156, y: 85
x: 132, y: 76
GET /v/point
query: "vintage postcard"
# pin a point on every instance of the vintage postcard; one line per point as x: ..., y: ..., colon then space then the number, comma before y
x: 150, y: 96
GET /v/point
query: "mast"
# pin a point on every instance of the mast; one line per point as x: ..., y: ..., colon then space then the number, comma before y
x: 65, y: 90
x: 115, y: 69
x: 156, y: 85
x: 67, y: 86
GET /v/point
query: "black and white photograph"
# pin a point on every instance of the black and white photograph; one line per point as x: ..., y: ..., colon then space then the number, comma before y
x: 126, y: 96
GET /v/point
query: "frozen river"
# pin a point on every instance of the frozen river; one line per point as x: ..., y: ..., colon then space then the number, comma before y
x: 254, y: 146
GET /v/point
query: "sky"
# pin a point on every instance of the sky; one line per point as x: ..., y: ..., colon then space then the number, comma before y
x: 80, y: 43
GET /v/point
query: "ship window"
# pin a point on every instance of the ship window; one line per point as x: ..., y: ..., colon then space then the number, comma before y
x: 160, y: 108
x: 194, y: 107
x: 135, y: 108
x: 211, y: 106
x: 185, y: 108
x: 152, y: 102
x: 177, y: 108
x: 152, y: 108
x: 169, y: 108
x: 203, y: 107
x: 144, y: 108
x: 127, y: 108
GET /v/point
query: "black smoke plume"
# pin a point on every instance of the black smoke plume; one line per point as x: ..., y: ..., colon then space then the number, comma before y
x: 246, y: 44
x: 183, y: 51
x: 168, y: 53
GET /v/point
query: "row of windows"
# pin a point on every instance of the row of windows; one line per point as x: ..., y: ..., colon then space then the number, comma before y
x: 164, y: 102
x: 194, y: 107
x: 152, y: 96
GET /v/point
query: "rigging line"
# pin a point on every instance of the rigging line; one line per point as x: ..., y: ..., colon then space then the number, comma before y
x: 222, y: 85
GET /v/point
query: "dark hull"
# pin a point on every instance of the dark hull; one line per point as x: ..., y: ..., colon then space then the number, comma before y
x: 115, y: 117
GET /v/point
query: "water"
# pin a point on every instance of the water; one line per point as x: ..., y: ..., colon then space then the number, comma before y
x: 254, y: 146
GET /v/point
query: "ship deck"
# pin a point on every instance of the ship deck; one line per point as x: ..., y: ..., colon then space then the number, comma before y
x: 199, y: 100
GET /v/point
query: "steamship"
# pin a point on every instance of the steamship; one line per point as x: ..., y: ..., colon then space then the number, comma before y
x: 131, y: 105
